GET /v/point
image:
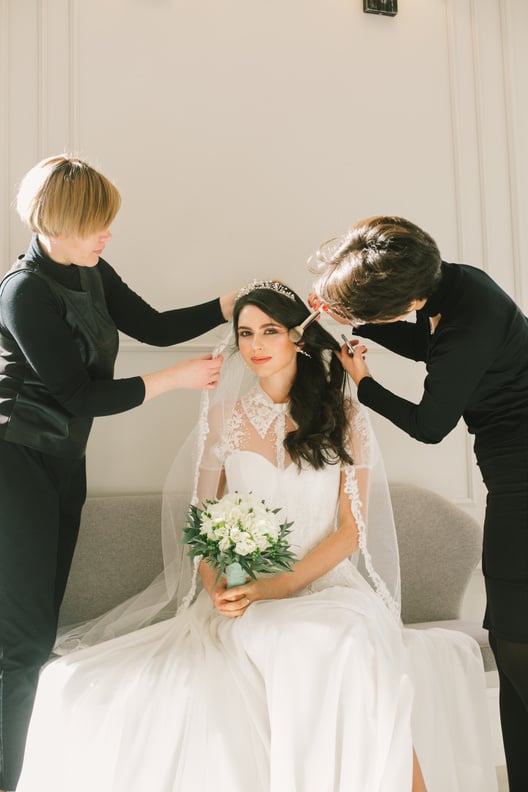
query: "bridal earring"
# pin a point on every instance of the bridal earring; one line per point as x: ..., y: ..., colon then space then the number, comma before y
x: 302, y: 352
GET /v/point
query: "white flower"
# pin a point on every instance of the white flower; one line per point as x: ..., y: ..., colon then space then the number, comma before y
x: 245, y: 547
x: 239, y: 527
x: 262, y: 543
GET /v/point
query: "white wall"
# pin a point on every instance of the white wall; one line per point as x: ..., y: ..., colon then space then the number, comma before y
x: 243, y: 134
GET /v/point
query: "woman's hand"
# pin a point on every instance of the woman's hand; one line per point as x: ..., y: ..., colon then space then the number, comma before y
x: 316, y: 303
x: 196, y: 373
x: 354, y: 364
x: 199, y: 373
x: 227, y: 305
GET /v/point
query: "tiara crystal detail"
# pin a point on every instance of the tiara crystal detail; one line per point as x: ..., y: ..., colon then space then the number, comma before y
x: 275, y: 286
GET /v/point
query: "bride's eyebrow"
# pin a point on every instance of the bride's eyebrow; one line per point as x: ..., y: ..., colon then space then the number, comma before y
x: 262, y: 327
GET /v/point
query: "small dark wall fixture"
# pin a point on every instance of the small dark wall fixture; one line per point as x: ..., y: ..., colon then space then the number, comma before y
x: 384, y: 7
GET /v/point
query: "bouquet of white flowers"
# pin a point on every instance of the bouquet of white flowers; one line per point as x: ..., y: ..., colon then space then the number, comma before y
x: 239, y: 536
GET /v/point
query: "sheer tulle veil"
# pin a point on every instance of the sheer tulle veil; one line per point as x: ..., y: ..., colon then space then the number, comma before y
x: 196, y: 474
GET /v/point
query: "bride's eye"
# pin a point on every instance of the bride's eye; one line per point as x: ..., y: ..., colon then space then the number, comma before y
x: 244, y: 333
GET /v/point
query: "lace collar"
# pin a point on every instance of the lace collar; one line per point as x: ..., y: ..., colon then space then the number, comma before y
x: 261, y: 410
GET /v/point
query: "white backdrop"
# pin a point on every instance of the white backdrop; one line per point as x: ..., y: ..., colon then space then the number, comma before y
x: 243, y: 134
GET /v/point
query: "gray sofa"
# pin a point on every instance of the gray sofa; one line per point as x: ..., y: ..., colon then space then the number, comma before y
x: 119, y: 553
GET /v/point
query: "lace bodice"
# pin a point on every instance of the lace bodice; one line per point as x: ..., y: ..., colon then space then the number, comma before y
x: 251, y: 449
x: 257, y: 424
x: 306, y: 497
x: 245, y: 442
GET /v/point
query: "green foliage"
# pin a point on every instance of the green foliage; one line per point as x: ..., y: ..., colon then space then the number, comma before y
x: 276, y: 557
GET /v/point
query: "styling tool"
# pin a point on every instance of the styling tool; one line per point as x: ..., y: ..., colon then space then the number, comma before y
x: 296, y: 333
x: 348, y: 343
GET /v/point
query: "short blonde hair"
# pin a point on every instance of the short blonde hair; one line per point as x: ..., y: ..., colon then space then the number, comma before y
x: 65, y: 195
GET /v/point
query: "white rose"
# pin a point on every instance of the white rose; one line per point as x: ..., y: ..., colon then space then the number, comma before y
x: 245, y: 547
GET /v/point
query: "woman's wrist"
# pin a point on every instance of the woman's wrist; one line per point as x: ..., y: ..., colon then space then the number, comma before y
x: 227, y: 305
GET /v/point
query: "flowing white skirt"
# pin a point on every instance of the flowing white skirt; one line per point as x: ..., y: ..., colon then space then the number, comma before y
x: 317, y: 693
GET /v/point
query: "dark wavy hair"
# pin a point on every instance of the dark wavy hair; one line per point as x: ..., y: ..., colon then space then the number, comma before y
x: 317, y: 396
x: 377, y: 269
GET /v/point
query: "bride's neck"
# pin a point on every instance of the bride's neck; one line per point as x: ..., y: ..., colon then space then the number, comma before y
x: 277, y: 388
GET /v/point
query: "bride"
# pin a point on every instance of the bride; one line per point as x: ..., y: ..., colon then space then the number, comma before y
x: 302, y: 681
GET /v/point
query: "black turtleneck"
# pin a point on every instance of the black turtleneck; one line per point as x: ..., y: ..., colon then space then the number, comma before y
x: 476, y: 361
x: 30, y: 314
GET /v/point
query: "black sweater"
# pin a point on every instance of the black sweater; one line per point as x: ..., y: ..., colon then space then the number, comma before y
x: 476, y: 361
x: 29, y: 314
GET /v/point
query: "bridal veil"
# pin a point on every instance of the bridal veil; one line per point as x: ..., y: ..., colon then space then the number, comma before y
x: 196, y: 474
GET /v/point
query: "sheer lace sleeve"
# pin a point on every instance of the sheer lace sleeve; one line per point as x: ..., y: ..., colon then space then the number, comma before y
x: 367, y: 488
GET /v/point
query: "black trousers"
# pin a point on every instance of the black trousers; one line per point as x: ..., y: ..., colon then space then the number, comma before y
x: 504, y: 468
x: 41, y: 498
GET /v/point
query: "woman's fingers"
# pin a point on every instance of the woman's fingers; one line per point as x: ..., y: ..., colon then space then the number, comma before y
x: 202, y: 373
x: 354, y: 364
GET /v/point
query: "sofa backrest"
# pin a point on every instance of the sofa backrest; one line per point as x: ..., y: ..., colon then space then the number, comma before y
x: 440, y: 546
x: 119, y: 553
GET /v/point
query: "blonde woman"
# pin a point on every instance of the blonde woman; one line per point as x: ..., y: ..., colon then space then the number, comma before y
x: 61, y: 306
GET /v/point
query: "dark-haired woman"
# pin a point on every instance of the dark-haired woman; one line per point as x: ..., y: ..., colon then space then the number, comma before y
x: 473, y: 339
x: 300, y: 681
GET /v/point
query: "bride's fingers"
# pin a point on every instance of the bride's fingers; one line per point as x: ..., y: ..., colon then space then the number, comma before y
x: 234, y: 608
x: 228, y: 598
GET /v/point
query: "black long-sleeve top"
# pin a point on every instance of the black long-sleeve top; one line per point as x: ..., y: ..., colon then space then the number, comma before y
x: 476, y: 361
x: 30, y: 314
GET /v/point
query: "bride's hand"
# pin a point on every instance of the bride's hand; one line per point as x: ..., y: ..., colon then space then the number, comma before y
x: 235, y: 601
x: 229, y: 602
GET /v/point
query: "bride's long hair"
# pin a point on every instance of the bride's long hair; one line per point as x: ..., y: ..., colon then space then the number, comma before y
x: 317, y: 398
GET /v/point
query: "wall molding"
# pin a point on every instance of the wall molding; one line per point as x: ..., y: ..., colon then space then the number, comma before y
x: 468, y: 167
x: 508, y: 71
x: 476, y: 64
x: 74, y: 76
x: 42, y: 78
x: 129, y: 346
x: 5, y: 245
x: 476, y: 59
x: 465, y: 131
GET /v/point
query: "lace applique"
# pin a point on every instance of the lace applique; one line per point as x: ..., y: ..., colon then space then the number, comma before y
x: 262, y: 411
x: 356, y: 505
x: 360, y: 428
x: 233, y: 436
x: 258, y: 411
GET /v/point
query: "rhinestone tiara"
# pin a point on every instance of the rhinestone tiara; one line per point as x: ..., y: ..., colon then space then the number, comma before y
x: 276, y: 286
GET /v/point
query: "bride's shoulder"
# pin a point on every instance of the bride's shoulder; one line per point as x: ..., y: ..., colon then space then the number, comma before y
x: 225, y: 426
x: 354, y: 411
x: 222, y: 411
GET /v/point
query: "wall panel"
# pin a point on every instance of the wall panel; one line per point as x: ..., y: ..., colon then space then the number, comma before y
x: 241, y: 136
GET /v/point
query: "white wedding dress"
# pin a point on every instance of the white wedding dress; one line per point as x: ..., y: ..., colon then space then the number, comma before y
x: 321, y: 692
